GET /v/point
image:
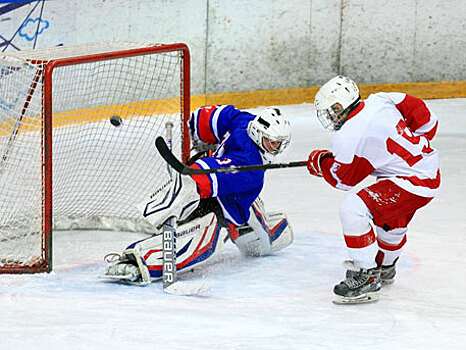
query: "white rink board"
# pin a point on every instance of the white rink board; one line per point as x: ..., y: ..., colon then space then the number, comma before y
x: 248, y: 45
x: 279, y: 302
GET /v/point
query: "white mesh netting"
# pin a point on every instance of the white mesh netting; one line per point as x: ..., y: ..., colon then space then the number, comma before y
x: 100, y: 172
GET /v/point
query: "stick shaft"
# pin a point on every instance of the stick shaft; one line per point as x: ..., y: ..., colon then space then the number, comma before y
x: 171, y: 160
x: 169, y: 230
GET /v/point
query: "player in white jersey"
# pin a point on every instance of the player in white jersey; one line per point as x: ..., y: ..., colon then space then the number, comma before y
x: 387, y: 136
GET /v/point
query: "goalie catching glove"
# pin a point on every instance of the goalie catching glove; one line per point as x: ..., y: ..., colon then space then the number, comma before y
x: 180, y: 200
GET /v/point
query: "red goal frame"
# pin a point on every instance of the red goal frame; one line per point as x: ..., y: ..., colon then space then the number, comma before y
x: 46, y: 263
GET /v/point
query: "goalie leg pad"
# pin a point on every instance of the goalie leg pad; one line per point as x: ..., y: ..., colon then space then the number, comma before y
x: 263, y: 234
x: 281, y: 233
x: 180, y: 200
x: 197, y: 241
x: 252, y: 243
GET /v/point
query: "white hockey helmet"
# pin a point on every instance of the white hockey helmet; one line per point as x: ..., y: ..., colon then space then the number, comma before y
x: 270, y: 127
x: 335, y: 100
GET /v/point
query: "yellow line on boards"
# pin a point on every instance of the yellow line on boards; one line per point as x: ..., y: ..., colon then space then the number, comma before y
x: 247, y: 99
x: 251, y: 99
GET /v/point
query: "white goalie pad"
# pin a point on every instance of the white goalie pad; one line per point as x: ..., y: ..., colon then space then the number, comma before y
x: 196, y: 242
x: 264, y: 233
x: 176, y: 198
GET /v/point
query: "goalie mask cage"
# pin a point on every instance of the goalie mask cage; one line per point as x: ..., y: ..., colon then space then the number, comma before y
x: 63, y: 164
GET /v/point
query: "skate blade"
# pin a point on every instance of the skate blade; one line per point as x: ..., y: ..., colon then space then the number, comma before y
x: 122, y: 280
x: 361, y: 299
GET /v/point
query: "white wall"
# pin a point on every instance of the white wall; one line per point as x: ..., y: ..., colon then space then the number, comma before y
x: 241, y: 45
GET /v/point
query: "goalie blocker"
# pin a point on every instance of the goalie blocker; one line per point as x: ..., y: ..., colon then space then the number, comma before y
x: 200, y: 237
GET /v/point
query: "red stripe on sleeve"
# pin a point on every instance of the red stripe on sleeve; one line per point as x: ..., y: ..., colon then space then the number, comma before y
x: 205, y: 132
x: 203, y: 183
x: 348, y: 174
x: 362, y: 241
x: 414, y: 111
x: 430, y: 135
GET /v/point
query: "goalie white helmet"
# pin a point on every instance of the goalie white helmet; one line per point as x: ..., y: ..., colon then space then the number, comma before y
x: 270, y: 131
x: 335, y: 100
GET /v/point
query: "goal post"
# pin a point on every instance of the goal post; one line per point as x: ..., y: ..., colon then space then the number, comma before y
x: 64, y: 164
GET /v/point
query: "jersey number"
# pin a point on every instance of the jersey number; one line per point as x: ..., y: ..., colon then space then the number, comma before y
x: 395, y: 148
x: 224, y: 161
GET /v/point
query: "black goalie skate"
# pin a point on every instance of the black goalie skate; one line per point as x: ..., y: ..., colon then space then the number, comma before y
x: 359, y: 286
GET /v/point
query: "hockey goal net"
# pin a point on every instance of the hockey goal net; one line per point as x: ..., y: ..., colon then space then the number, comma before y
x: 63, y: 164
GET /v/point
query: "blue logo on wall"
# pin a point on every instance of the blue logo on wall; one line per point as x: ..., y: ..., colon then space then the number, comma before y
x: 32, y: 28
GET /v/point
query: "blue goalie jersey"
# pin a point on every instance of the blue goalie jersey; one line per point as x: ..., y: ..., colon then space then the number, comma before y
x: 235, y: 192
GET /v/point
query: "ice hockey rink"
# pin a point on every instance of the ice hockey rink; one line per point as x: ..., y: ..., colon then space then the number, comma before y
x: 278, y: 302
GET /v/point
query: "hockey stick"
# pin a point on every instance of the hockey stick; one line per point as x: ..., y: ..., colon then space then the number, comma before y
x: 171, y: 160
x: 170, y: 282
x: 169, y: 234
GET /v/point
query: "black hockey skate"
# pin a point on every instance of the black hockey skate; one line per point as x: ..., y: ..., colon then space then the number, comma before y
x: 359, y: 286
x: 387, y: 274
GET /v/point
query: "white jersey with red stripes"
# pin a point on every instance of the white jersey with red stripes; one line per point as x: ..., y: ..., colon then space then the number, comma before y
x: 387, y: 136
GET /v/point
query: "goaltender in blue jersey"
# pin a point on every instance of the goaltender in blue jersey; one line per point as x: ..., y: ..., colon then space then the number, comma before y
x: 210, y: 208
x: 228, y: 127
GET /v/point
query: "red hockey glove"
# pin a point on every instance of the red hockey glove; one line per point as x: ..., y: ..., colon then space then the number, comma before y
x: 313, y: 164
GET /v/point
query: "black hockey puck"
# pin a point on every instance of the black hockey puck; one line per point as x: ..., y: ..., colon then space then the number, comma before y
x: 115, y: 120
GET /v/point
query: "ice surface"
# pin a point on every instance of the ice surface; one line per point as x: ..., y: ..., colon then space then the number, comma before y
x: 278, y: 302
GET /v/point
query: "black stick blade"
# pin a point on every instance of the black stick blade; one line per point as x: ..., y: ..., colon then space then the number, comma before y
x: 168, y: 156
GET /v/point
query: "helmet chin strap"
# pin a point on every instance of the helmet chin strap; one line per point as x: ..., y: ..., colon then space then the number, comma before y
x: 353, y: 106
x: 344, y: 115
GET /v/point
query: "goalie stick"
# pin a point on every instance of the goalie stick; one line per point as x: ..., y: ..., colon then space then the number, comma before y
x: 169, y: 234
x: 170, y: 282
x: 171, y: 160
